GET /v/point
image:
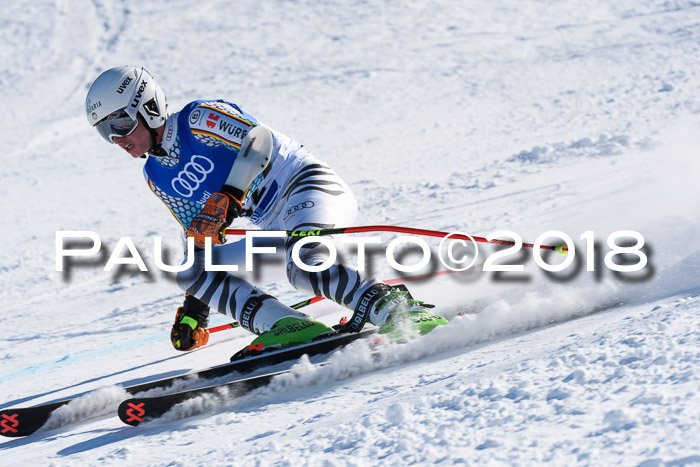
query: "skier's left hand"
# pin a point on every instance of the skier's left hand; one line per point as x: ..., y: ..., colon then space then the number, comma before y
x: 218, y: 212
x: 184, y: 338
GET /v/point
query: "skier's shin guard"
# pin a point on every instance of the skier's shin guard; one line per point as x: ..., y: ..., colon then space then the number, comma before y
x: 365, y: 307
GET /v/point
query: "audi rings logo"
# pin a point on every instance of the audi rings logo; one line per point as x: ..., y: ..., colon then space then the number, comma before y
x: 192, y: 175
x: 304, y: 205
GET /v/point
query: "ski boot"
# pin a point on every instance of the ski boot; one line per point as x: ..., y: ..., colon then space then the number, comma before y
x: 286, y: 332
x: 190, y: 328
x: 397, y: 311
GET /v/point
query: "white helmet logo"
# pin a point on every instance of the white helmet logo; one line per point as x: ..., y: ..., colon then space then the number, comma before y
x: 192, y: 175
x: 136, y: 95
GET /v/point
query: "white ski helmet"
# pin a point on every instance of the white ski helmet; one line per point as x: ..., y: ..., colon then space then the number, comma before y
x: 118, y: 95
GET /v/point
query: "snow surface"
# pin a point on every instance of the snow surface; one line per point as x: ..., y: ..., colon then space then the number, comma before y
x: 524, y: 115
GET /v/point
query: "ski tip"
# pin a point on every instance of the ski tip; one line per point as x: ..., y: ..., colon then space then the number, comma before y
x: 131, y: 411
x: 15, y: 423
x: 11, y: 426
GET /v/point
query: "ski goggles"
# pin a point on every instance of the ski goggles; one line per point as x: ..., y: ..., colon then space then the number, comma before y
x: 118, y: 124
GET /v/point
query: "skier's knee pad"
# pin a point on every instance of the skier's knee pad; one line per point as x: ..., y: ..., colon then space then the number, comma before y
x: 310, y: 257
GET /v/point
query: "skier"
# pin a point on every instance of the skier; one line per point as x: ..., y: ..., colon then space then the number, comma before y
x: 211, y: 163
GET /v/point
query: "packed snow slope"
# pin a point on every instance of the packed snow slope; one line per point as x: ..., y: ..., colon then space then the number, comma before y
x: 527, y: 116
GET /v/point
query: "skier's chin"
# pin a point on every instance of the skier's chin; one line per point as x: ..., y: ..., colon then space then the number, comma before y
x: 137, y: 154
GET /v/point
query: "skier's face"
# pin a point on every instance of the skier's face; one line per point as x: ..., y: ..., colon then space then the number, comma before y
x: 138, y: 142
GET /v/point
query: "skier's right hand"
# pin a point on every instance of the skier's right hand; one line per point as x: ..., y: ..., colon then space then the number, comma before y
x: 218, y: 212
x: 187, y: 334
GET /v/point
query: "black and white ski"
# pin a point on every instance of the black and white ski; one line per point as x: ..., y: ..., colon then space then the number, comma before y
x: 24, y: 421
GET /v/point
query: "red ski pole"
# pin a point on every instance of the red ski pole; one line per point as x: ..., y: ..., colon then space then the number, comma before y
x: 382, y: 228
x: 397, y: 229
